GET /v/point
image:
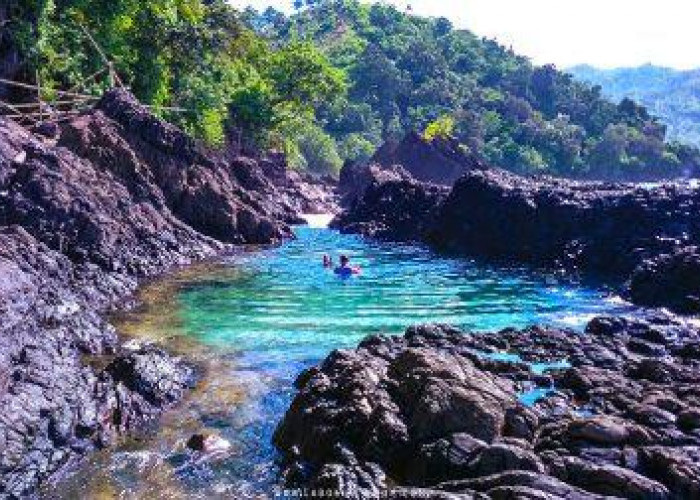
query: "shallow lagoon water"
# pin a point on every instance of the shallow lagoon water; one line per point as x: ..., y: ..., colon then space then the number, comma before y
x: 256, y: 319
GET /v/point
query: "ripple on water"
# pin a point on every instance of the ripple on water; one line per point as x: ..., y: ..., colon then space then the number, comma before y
x: 255, y: 320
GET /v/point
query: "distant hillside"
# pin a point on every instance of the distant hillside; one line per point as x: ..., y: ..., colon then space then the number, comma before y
x: 672, y: 95
x: 407, y: 72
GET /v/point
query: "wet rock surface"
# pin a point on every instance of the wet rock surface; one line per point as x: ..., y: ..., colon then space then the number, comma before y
x: 669, y: 280
x: 597, y: 228
x: 436, y: 410
x: 121, y: 197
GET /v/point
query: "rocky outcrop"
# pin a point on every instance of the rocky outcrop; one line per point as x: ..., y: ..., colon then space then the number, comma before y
x: 598, y: 228
x: 436, y: 410
x: 227, y: 201
x: 441, y: 160
x: 122, y: 196
x: 670, y: 280
x: 386, y: 203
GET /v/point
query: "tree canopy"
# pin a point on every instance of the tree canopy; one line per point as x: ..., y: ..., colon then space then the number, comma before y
x: 196, y: 55
x: 409, y: 73
x: 339, y: 77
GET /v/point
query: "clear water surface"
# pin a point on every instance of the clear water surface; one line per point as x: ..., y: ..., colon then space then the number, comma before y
x: 260, y: 317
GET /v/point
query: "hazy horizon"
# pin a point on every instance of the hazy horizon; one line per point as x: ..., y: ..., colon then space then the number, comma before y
x: 628, y: 33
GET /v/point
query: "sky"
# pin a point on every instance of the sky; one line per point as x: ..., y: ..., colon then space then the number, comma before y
x: 603, y: 33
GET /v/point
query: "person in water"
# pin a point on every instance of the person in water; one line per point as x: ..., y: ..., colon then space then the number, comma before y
x: 327, y: 261
x: 345, y: 269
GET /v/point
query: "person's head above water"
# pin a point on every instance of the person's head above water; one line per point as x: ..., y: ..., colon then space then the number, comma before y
x: 344, y: 261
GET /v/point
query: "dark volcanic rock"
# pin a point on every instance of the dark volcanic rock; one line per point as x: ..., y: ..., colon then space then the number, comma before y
x: 669, y: 280
x: 431, y: 411
x: 123, y: 196
x: 159, y: 162
x: 598, y: 228
x: 387, y: 203
x: 440, y: 161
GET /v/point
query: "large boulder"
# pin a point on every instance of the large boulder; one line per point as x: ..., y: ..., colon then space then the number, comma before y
x: 441, y: 160
x: 433, y: 412
x: 669, y: 280
x: 388, y: 398
x: 386, y: 203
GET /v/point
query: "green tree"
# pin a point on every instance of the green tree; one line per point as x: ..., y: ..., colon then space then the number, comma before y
x: 444, y: 126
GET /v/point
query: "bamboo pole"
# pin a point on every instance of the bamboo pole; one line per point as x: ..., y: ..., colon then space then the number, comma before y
x: 38, y: 94
x: 85, y: 80
x: 37, y: 113
x: 20, y: 114
x: 166, y: 108
x: 34, y: 87
x: 113, y: 76
x: 54, y: 103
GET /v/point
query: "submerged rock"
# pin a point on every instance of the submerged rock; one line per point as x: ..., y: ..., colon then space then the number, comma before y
x: 208, y: 443
x: 431, y: 411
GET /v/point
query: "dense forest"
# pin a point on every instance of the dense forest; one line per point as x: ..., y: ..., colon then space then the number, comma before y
x: 195, y: 55
x: 672, y: 95
x: 337, y: 78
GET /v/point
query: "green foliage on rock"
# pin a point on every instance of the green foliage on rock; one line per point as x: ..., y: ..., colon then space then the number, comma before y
x: 444, y: 126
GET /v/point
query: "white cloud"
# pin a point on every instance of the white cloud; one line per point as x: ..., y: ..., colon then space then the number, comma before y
x: 604, y: 33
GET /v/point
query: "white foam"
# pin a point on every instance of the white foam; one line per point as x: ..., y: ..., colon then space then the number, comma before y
x: 318, y: 221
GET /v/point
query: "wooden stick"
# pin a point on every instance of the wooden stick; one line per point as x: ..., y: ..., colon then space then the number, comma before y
x: 166, y: 108
x: 19, y: 112
x: 38, y: 93
x: 54, y: 103
x: 34, y: 87
x: 58, y: 113
x: 112, y: 74
x: 87, y: 79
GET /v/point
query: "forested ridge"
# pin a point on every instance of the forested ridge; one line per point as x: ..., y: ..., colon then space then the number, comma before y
x: 338, y: 78
x: 672, y: 95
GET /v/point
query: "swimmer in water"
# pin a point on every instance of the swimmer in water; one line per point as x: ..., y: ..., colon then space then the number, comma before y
x: 327, y: 261
x: 345, y: 270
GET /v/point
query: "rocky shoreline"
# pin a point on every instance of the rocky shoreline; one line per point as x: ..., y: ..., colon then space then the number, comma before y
x: 87, y: 211
x: 439, y: 413
x: 540, y: 413
x: 645, y: 235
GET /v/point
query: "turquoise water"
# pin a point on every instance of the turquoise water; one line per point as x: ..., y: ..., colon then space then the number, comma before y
x: 284, y: 312
x: 276, y: 311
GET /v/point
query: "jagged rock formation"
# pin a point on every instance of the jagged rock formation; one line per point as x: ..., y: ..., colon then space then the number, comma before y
x: 386, y: 203
x: 440, y: 160
x: 599, y: 228
x: 435, y: 411
x: 121, y: 197
x: 670, y: 280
